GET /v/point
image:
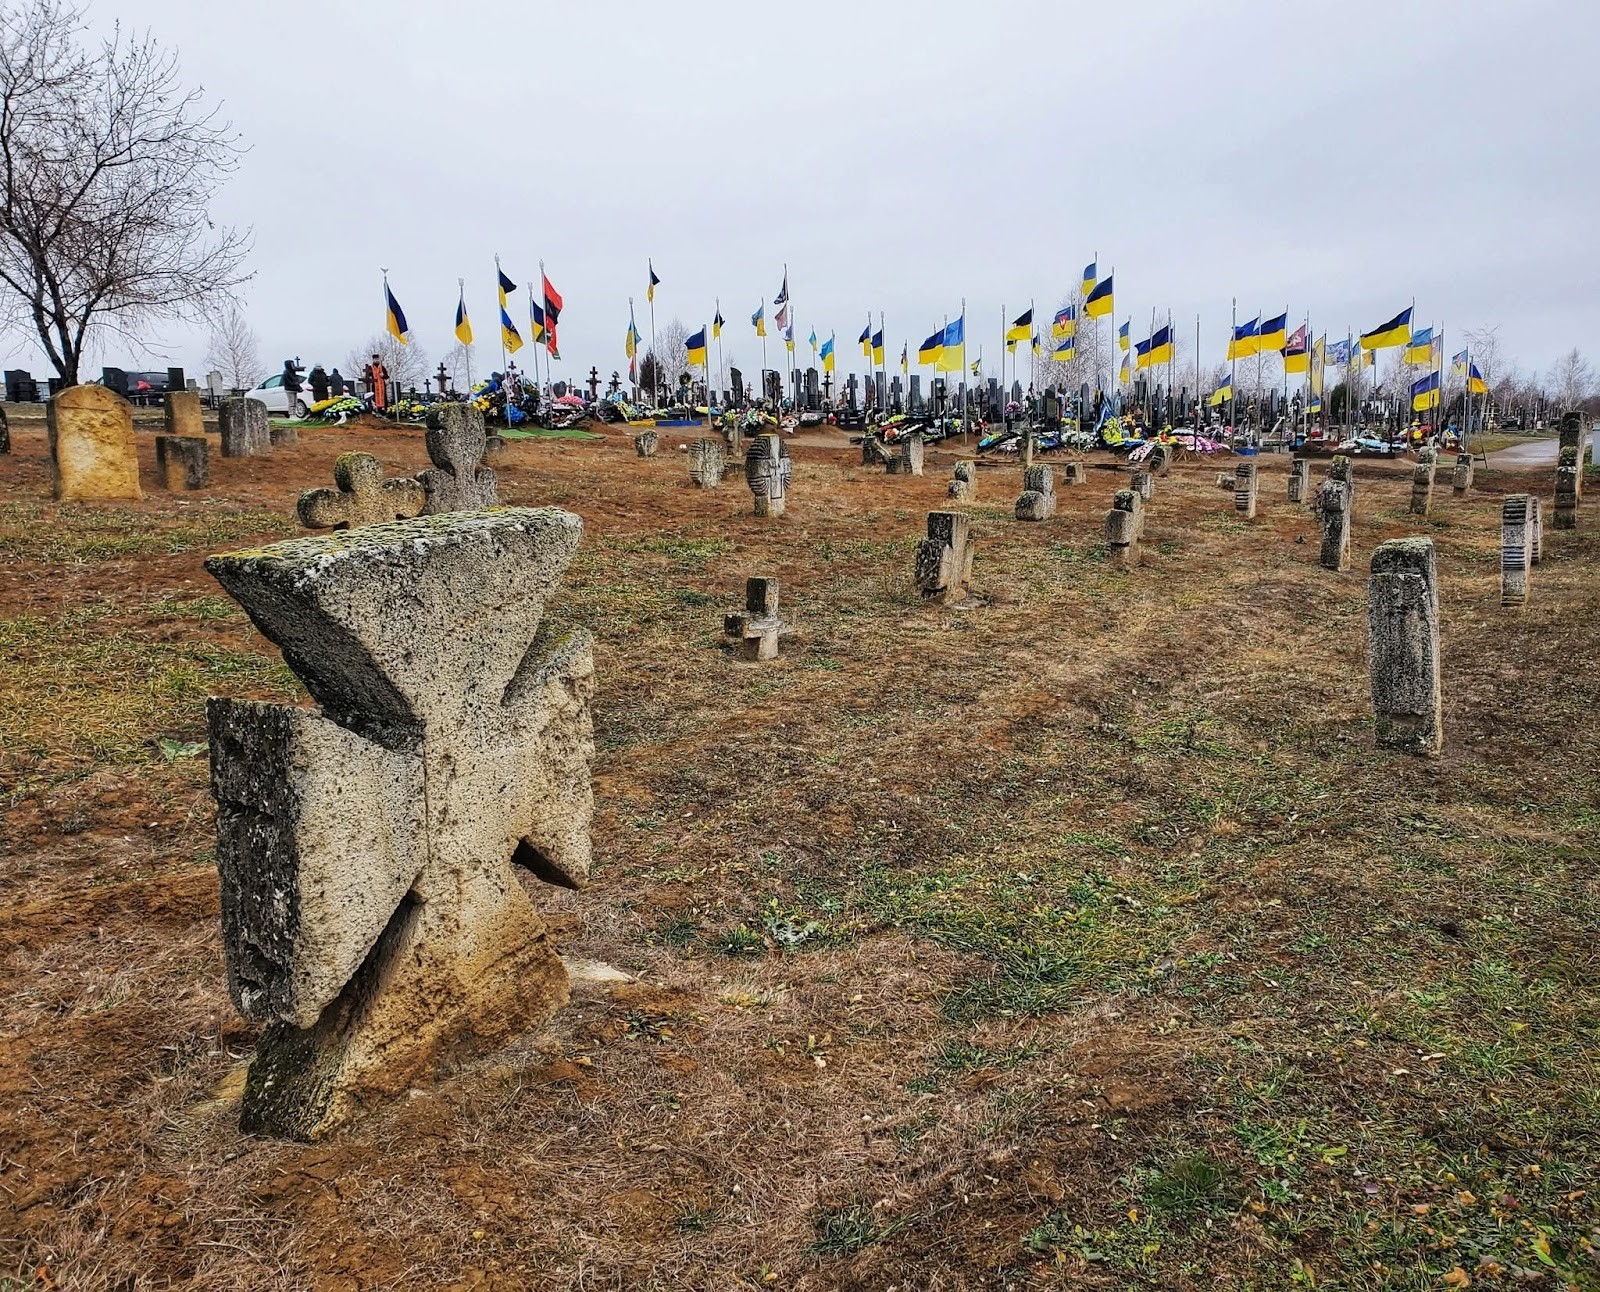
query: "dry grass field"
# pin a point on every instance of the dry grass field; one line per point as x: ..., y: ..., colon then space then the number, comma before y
x: 1079, y: 939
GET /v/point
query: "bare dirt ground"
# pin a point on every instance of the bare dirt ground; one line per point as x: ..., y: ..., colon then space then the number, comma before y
x: 1082, y: 939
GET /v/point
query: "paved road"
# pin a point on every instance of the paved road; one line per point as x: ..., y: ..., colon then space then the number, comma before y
x: 1535, y: 453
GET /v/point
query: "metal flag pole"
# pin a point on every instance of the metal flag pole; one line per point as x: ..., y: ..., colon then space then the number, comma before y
x: 1171, y: 352
x: 466, y: 350
x: 1198, y: 382
x: 883, y: 331
x: 1233, y: 363
x: 502, y: 319
x: 633, y: 359
x: 655, y: 359
x: 722, y: 375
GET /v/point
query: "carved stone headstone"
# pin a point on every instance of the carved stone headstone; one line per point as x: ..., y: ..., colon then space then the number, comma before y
x: 1073, y: 473
x: 1343, y: 470
x: 1536, y: 528
x: 645, y: 443
x: 706, y: 458
x: 361, y: 496
x: 756, y: 630
x: 1333, y: 510
x: 1299, y: 479
x: 1569, y: 475
x: 1160, y: 460
x: 183, y: 461
x: 1516, y: 548
x: 1461, y: 478
x: 370, y: 913
x: 916, y: 393
x: 1225, y: 482
x: 184, y: 415
x: 1571, y: 437
x: 246, y: 431
x: 1422, y: 481
x: 964, y: 483
x: 1123, y: 525
x: 767, y: 470
x: 92, y: 452
x: 1038, y: 498
x: 906, y: 457
x: 458, y: 480
x: 943, y: 569
x: 1403, y: 623
x: 1144, y: 484
x: 732, y: 432
x: 1245, y: 484
x: 874, y: 453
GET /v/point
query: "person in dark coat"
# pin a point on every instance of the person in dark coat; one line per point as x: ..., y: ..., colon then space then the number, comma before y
x: 319, y: 383
x: 336, y: 384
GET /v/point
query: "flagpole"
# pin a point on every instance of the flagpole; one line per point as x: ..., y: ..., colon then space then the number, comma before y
x: 466, y: 350
x: 504, y: 315
x: 544, y: 304
x: 655, y: 358
x: 1198, y: 383
x: 1233, y: 363
x: 722, y: 375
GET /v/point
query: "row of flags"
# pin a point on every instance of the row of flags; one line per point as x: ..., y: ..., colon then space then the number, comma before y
x: 544, y: 314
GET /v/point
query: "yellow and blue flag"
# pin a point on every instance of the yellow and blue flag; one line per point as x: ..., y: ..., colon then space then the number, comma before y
x: 1098, y: 303
x: 536, y: 325
x: 717, y: 322
x: 509, y: 336
x: 1090, y: 272
x: 905, y: 356
x: 506, y: 285
x: 1476, y: 385
x: 1425, y: 393
x: 1297, y: 352
x: 696, y: 346
x: 1064, y: 352
x: 877, y: 347
x: 953, y: 354
x: 1246, y: 339
x: 1123, y: 339
x: 394, y: 318
x: 1065, y: 323
x: 1124, y: 377
x: 1021, y: 327
x: 463, y: 323
x: 1160, y: 347
x: 788, y: 337
x: 1339, y: 353
x: 1274, y: 334
x: 865, y: 340
x: 758, y: 320
x: 813, y: 340
x: 1397, y: 331
x: 630, y: 344
x: 1420, y: 348
x: 1221, y: 395
x: 1458, y: 365
x: 928, y: 351
x: 827, y: 355
x: 650, y: 291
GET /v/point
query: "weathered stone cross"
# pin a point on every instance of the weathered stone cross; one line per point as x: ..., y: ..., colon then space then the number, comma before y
x: 362, y: 496
x: 767, y: 470
x: 458, y: 480
x: 757, y: 628
x: 371, y: 912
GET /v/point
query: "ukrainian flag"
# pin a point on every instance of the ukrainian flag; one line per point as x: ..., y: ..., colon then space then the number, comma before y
x: 394, y: 321
x: 1123, y: 339
x: 1274, y: 334
x: 813, y: 340
x: 905, y: 356
x: 865, y: 341
x: 1065, y: 323
x: 827, y: 355
x: 877, y: 347
x: 1397, y: 331
x: 631, y: 344
x: 1425, y: 393
x: 788, y: 338
x: 696, y: 346
x: 1458, y: 365
x: 1221, y: 395
x: 509, y: 336
x: 716, y: 323
x: 1124, y: 377
x: 1090, y: 271
x: 1246, y: 339
x: 506, y: 285
x: 650, y: 291
x: 463, y: 323
x: 1161, y: 347
x: 1036, y: 343
x: 1064, y: 352
x: 928, y: 351
x: 1476, y: 385
x: 1420, y: 350
x: 758, y: 320
x: 536, y: 327
x: 1099, y: 302
x: 953, y: 354
x: 1315, y: 406
x: 1021, y: 327
x: 1141, y: 354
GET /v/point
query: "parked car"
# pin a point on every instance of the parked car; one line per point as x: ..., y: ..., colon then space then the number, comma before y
x: 271, y: 393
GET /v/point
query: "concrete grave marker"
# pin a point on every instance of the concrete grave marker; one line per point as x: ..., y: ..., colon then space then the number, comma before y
x: 92, y: 453
x: 183, y: 461
x: 767, y: 470
x: 184, y: 415
x: 1536, y: 527
x: 1143, y: 483
x: 1516, y: 548
x: 645, y: 444
x: 1245, y: 484
x: 757, y: 628
x: 1569, y: 486
x: 458, y: 480
x: 964, y: 483
x: 246, y: 431
x: 943, y: 570
x: 361, y: 496
x: 1343, y: 470
x: 1403, y: 627
x: 1333, y: 510
x: 1461, y: 478
x: 1073, y: 473
x: 282, y: 437
x: 1422, y: 481
x: 706, y: 458
x: 906, y: 457
x: 1299, y: 479
x: 1123, y: 527
x: 1038, y: 498
x: 370, y: 913
x: 1571, y: 437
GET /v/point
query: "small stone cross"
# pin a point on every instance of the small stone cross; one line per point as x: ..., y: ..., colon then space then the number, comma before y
x: 458, y: 480
x: 756, y: 629
x: 362, y: 496
x: 943, y: 569
x: 767, y: 469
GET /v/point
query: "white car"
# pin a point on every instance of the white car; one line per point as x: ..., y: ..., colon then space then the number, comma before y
x: 271, y: 393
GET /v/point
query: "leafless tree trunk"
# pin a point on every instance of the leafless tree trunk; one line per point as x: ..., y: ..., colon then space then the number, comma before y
x: 107, y: 170
x: 1572, y: 380
x: 234, y: 351
x: 669, y: 354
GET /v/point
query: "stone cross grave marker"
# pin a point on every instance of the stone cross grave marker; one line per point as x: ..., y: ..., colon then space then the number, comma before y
x: 1332, y: 506
x: 1073, y: 473
x: 1422, y: 481
x: 1299, y: 479
x: 183, y: 461
x: 361, y: 496
x: 458, y: 480
x: 1461, y: 478
x: 1516, y: 548
x: 370, y: 913
x: 1144, y: 484
x: 963, y: 485
x: 1571, y: 434
x: 1569, y: 477
x: 1159, y: 462
x: 907, y: 457
x: 873, y: 451
x: 1245, y: 485
x: 943, y: 569
x: 1123, y: 529
x: 645, y: 444
x: 1038, y: 498
x: 756, y: 629
x: 92, y: 452
x: 1343, y: 470
x: 183, y: 413
x: 767, y: 470
x: 246, y: 431
x: 706, y: 457
x: 1403, y: 625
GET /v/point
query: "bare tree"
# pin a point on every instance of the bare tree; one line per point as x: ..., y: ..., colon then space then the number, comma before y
x: 666, y: 358
x: 407, y: 364
x: 464, y: 369
x: 1571, y: 380
x: 108, y: 167
x: 233, y: 350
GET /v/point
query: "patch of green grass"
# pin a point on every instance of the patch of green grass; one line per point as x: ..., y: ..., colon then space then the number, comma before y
x: 1192, y: 1185
x: 846, y: 1230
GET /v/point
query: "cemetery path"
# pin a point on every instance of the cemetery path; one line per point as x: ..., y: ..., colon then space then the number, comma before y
x: 1521, y: 457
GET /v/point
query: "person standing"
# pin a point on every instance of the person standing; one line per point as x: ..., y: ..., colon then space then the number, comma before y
x: 336, y: 384
x: 291, y: 386
x: 378, y: 382
x: 319, y: 383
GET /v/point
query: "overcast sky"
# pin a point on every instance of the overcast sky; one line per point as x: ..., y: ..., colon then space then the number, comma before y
x: 1336, y: 159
